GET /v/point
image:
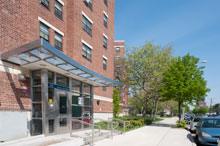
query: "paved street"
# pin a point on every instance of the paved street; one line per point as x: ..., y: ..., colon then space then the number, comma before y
x: 159, y: 134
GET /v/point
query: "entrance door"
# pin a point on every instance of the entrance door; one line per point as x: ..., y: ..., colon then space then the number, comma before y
x: 64, y: 112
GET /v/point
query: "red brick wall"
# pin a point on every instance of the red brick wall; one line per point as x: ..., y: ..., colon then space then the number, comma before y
x: 19, y: 22
x: 104, y: 106
x: 14, y: 94
x: 74, y: 43
x: 19, y: 25
x: 124, y: 91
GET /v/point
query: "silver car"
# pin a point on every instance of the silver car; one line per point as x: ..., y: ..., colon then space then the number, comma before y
x: 194, y: 123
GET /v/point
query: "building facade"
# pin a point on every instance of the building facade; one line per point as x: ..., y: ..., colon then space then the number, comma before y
x: 57, y: 63
x: 119, y: 72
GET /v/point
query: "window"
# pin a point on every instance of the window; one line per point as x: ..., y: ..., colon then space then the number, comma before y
x: 87, y: 25
x: 117, y: 69
x: 86, y: 51
x: 106, y: 2
x: 58, y: 10
x: 51, y: 126
x: 105, y: 20
x: 46, y: 3
x: 88, y: 3
x: 117, y: 58
x: 104, y: 63
x: 104, y: 88
x: 58, y: 42
x: 62, y: 80
x: 117, y: 49
x: 44, y: 32
x: 50, y: 77
x: 63, y: 122
x: 36, y: 76
x: 105, y: 42
x: 76, y: 86
x: 63, y: 104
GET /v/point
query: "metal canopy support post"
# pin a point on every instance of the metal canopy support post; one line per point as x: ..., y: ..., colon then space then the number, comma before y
x: 70, y: 105
x: 92, y: 103
x: 44, y: 97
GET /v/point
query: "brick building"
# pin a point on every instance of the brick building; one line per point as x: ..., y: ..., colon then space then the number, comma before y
x: 119, y: 72
x: 57, y: 60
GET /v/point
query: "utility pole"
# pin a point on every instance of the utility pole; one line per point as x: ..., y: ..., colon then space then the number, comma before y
x: 210, y: 106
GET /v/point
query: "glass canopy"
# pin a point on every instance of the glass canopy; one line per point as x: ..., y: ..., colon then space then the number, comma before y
x: 40, y: 51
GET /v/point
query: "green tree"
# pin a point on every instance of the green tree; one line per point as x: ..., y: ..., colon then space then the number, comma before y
x: 116, y: 102
x: 195, y: 111
x: 184, y: 82
x: 201, y: 110
x: 216, y: 107
x: 145, y: 66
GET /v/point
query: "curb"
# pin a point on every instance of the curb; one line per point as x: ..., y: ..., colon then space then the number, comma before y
x: 191, y: 139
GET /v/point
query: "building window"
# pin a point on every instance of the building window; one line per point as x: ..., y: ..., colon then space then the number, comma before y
x: 46, y: 3
x: 105, y: 20
x: 88, y: 3
x: 106, y: 2
x: 104, y: 63
x: 58, y: 10
x: 104, y: 88
x: 117, y: 69
x: 87, y: 25
x: 117, y: 49
x: 117, y: 58
x: 86, y: 51
x: 44, y: 32
x: 105, y: 42
x: 62, y: 80
x: 58, y: 42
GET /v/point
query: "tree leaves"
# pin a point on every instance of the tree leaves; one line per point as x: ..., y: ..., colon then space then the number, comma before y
x: 183, y: 81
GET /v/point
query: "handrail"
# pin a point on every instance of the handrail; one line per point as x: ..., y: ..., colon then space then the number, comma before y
x: 108, y: 123
x: 83, y: 122
x: 124, y: 122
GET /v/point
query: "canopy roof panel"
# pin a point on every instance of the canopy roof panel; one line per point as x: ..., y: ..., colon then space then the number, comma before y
x: 40, y: 53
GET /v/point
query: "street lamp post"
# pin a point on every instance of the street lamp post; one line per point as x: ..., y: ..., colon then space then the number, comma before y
x: 210, y: 106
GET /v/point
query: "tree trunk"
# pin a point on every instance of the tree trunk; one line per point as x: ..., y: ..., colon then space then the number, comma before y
x: 180, y: 110
x: 145, y: 108
x: 152, y: 110
x: 155, y: 110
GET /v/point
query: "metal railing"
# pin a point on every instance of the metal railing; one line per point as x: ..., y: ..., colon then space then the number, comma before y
x: 113, y: 125
x: 125, y: 123
x: 83, y: 123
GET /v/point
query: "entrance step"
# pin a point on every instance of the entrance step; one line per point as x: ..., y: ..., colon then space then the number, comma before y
x: 98, y: 135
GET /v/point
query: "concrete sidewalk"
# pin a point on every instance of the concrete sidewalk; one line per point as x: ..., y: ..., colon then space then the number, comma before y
x: 158, y: 134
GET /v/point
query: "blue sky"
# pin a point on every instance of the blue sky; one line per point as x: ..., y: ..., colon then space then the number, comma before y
x: 188, y: 25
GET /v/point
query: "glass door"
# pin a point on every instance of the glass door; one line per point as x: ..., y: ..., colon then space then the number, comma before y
x: 64, y: 113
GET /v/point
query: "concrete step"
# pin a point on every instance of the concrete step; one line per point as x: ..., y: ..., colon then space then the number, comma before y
x: 97, y: 137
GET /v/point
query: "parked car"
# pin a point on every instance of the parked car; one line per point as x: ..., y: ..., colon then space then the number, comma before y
x: 194, y: 123
x: 208, y: 131
x: 188, y: 118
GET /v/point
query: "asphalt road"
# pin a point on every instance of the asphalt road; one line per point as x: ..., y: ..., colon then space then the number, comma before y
x: 194, y: 137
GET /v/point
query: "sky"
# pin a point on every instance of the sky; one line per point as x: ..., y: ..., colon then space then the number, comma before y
x: 190, y: 26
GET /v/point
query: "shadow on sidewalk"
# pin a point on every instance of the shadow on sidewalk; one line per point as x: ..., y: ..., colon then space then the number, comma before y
x: 162, y: 125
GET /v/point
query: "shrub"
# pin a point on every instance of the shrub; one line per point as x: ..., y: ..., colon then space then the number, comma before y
x: 181, y: 124
x: 116, y: 102
x: 136, y: 123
